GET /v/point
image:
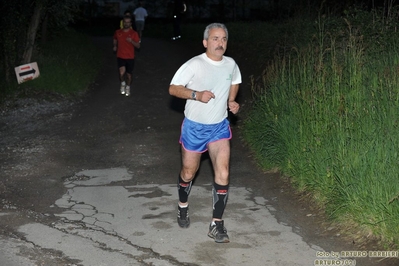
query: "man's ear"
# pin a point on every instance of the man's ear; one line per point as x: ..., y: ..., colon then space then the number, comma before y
x: 205, y: 43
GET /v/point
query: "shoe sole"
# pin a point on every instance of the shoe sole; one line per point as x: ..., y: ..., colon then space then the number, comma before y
x: 184, y: 225
x: 219, y: 241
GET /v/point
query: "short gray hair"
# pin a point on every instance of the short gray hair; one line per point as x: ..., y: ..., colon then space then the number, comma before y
x: 215, y: 26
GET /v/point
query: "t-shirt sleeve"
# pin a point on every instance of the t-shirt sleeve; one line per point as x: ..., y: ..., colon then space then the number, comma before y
x: 236, y: 75
x: 183, y: 75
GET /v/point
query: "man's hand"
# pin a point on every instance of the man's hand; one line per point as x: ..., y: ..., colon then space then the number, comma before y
x: 205, y: 96
x: 234, y: 107
x: 114, y: 49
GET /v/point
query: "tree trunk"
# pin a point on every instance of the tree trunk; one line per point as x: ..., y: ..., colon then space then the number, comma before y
x: 32, y: 30
x: 44, y: 29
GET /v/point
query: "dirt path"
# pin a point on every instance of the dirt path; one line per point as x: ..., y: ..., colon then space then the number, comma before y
x: 44, y: 143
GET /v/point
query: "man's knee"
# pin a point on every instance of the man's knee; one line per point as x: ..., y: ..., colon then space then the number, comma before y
x: 222, y: 176
x: 187, y: 174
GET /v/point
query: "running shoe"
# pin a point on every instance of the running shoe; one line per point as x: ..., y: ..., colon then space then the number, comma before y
x: 182, y: 217
x: 218, y: 232
x: 127, y: 91
x: 123, y: 89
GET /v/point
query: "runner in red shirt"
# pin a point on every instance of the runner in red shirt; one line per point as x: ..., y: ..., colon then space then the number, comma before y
x: 125, y: 40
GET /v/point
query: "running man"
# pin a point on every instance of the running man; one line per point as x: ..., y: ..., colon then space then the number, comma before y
x: 125, y: 40
x: 209, y: 82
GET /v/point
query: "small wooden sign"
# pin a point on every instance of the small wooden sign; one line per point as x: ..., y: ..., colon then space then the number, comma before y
x: 27, y: 72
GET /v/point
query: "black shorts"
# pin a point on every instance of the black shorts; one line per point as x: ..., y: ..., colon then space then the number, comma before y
x: 128, y: 63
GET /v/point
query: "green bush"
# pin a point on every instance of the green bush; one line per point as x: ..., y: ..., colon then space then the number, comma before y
x: 68, y: 64
x: 326, y: 114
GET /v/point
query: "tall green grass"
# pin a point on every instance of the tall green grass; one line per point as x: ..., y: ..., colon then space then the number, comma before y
x: 326, y: 114
x: 67, y: 64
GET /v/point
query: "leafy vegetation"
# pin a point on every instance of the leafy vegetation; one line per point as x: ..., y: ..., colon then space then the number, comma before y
x: 23, y: 23
x: 326, y: 115
x: 67, y: 64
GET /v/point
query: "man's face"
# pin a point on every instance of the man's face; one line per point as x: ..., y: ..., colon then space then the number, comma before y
x: 127, y: 22
x: 216, y: 44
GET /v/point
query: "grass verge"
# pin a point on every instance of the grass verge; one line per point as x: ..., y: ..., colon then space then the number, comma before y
x: 326, y: 114
x: 68, y: 64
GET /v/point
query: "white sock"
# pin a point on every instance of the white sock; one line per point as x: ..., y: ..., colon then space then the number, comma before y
x: 183, y: 206
x: 123, y: 83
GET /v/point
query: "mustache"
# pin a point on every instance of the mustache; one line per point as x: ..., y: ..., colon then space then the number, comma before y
x: 220, y: 48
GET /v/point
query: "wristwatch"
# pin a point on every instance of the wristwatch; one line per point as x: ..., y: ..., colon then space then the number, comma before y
x: 194, y: 95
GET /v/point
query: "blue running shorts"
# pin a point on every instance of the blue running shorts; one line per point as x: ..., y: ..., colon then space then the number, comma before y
x: 196, y: 136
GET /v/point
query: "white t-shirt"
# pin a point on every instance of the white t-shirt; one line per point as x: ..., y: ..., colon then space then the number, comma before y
x: 202, y: 73
x: 140, y: 14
